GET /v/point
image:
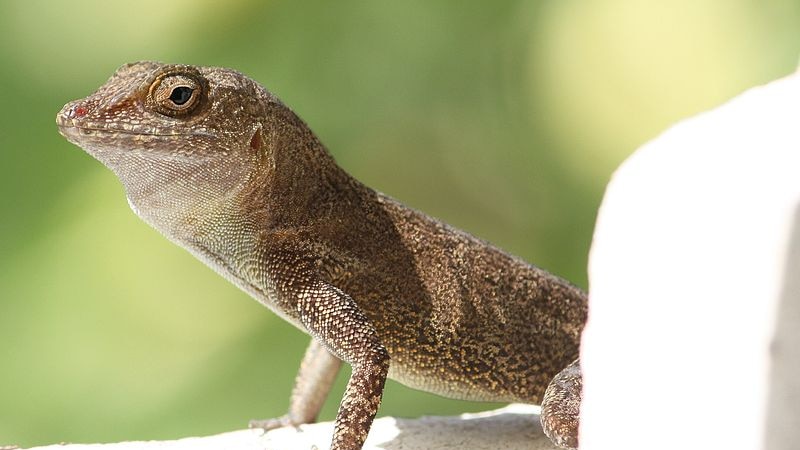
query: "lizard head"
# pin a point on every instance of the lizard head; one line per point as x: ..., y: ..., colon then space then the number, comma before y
x: 183, y: 140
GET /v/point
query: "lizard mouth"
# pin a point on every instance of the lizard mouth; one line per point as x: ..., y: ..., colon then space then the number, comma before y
x: 72, y: 127
x: 93, y: 139
x: 101, y: 141
x: 81, y: 134
x: 90, y: 130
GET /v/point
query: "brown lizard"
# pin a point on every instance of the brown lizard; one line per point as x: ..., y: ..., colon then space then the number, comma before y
x: 222, y: 168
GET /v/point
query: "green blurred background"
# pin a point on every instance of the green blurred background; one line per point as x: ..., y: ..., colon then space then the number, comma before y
x: 504, y: 118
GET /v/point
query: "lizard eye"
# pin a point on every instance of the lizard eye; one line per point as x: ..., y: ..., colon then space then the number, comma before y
x: 180, y: 95
x: 175, y: 95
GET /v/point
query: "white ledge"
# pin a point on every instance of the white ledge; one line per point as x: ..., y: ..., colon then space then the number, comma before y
x: 515, y: 427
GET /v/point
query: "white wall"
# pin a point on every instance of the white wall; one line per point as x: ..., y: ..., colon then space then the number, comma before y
x: 691, y: 273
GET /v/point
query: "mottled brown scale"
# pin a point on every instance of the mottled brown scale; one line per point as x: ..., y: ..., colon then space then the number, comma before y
x: 236, y: 178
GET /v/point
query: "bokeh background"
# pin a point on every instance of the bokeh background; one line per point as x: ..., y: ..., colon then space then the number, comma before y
x: 504, y: 118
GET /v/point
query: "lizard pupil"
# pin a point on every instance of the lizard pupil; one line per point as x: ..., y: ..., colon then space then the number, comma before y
x: 180, y: 95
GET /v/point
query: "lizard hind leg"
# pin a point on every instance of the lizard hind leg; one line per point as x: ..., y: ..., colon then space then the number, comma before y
x: 314, y: 380
x: 561, y: 407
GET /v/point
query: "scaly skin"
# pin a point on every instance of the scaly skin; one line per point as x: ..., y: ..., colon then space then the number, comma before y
x: 222, y: 168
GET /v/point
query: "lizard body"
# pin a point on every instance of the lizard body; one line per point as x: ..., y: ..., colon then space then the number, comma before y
x: 224, y: 169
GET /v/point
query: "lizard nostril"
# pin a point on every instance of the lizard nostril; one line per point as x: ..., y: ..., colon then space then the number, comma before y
x: 77, y: 111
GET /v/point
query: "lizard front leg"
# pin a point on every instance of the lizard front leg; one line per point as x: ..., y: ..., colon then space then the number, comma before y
x: 338, y: 325
x: 333, y: 317
x: 311, y: 386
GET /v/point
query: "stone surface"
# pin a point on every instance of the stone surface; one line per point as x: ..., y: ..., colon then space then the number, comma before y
x: 515, y: 427
x: 692, y: 340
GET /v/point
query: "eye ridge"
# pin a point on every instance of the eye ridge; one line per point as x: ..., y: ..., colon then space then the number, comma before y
x: 180, y: 95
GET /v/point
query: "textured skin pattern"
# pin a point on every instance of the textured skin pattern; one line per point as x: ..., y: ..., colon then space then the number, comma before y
x: 221, y: 167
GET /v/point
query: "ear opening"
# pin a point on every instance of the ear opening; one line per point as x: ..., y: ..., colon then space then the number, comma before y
x: 256, y: 140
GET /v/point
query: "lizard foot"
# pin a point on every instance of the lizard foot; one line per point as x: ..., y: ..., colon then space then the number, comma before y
x: 271, y: 424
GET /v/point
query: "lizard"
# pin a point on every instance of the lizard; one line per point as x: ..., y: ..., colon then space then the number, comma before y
x: 221, y: 167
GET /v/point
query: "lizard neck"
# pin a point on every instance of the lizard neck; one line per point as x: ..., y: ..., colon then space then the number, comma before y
x: 299, y: 182
x: 224, y: 213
